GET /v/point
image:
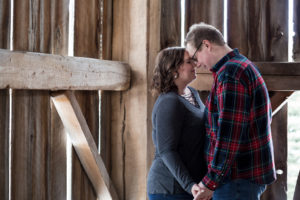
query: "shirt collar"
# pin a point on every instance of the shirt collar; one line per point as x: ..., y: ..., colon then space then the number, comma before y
x: 227, y: 57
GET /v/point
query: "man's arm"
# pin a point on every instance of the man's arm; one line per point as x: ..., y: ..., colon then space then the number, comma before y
x: 234, y: 108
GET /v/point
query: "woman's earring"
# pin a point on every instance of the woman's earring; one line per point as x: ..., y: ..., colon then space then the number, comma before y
x: 175, y: 76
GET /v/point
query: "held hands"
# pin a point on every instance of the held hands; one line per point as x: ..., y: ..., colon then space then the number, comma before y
x: 200, y: 192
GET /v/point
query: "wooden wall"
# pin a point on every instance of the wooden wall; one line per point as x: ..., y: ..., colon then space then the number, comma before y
x: 133, y: 31
x: 38, y: 140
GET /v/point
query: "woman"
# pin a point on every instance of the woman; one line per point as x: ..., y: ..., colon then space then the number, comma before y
x: 177, y: 128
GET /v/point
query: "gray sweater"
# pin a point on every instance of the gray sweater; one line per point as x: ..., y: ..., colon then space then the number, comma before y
x: 178, y: 134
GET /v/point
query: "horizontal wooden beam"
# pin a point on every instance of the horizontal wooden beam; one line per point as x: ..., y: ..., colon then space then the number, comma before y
x: 27, y: 70
x: 279, y: 76
x: 84, y: 144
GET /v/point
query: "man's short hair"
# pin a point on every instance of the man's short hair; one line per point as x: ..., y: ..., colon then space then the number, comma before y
x: 202, y: 31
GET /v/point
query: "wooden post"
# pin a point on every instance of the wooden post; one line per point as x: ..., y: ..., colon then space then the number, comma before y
x: 4, y: 104
x: 130, y: 145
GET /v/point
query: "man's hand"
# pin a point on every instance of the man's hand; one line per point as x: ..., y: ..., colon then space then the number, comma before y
x: 195, y: 189
x: 204, y: 193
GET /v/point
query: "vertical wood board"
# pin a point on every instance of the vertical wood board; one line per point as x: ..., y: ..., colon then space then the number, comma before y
x: 276, y: 191
x: 105, y: 104
x: 129, y: 135
x: 296, y: 19
x: 4, y: 104
x: 87, y: 32
x: 170, y: 30
x: 38, y: 150
x: 81, y: 187
x: 4, y: 142
x: 207, y: 11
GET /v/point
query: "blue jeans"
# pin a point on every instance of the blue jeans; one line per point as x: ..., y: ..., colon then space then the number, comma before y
x: 239, y: 190
x: 170, y: 197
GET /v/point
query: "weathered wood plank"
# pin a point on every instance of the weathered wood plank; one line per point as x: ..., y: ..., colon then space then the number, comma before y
x: 296, y: 38
x: 279, y: 135
x: 57, y: 138
x: 130, y: 41
x: 4, y: 104
x: 19, y: 70
x: 30, y: 128
x: 262, y: 35
x: 59, y: 26
x: 208, y: 11
x: 57, y: 157
x: 81, y: 187
x: 87, y: 43
x: 5, y: 23
x: 31, y: 110
x: 170, y: 30
x: 154, y: 47
x: 273, y: 82
x: 83, y: 142
x: 105, y: 96
x: 4, y: 144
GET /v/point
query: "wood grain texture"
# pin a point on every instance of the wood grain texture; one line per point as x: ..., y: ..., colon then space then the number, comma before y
x: 296, y: 38
x: 154, y: 47
x: 84, y: 144
x: 208, y: 11
x: 30, y: 128
x: 277, y: 190
x: 129, y: 135
x: 5, y: 24
x: 4, y: 144
x: 170, y: 30
x: 105, y: 96
x: 279, y: 76
x: 81, y: 187
x: 19, y: 70
x: 30, y: 113
x: 57, y: 138
x: 87, y: 43
x: 38, y: 145
x: 4, y: 104
x: 262, y: 34
x: 59, y: 26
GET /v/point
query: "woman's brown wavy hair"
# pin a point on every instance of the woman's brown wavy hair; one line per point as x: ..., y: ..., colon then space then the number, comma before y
x: 167, y: 63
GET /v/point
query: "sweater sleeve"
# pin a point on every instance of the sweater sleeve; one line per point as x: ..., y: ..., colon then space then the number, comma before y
x: 169, y: 126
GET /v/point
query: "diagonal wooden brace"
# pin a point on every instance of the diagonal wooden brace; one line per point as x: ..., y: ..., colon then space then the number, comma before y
x: 84, y: 144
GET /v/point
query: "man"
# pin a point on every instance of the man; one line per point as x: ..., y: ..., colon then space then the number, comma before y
x: 239, y: 152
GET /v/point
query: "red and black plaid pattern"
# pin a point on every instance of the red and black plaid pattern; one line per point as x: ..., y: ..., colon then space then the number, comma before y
x: 238, y: 128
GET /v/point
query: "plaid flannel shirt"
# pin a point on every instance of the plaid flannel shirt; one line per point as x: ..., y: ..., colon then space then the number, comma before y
x: 238, y: 112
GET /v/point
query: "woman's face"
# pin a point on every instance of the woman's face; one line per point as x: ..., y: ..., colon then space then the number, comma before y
x: 186, y: 72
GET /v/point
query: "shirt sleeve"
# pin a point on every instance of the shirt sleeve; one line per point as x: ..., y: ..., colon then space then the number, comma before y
x: 169, y: 126
x: 233, y: 103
